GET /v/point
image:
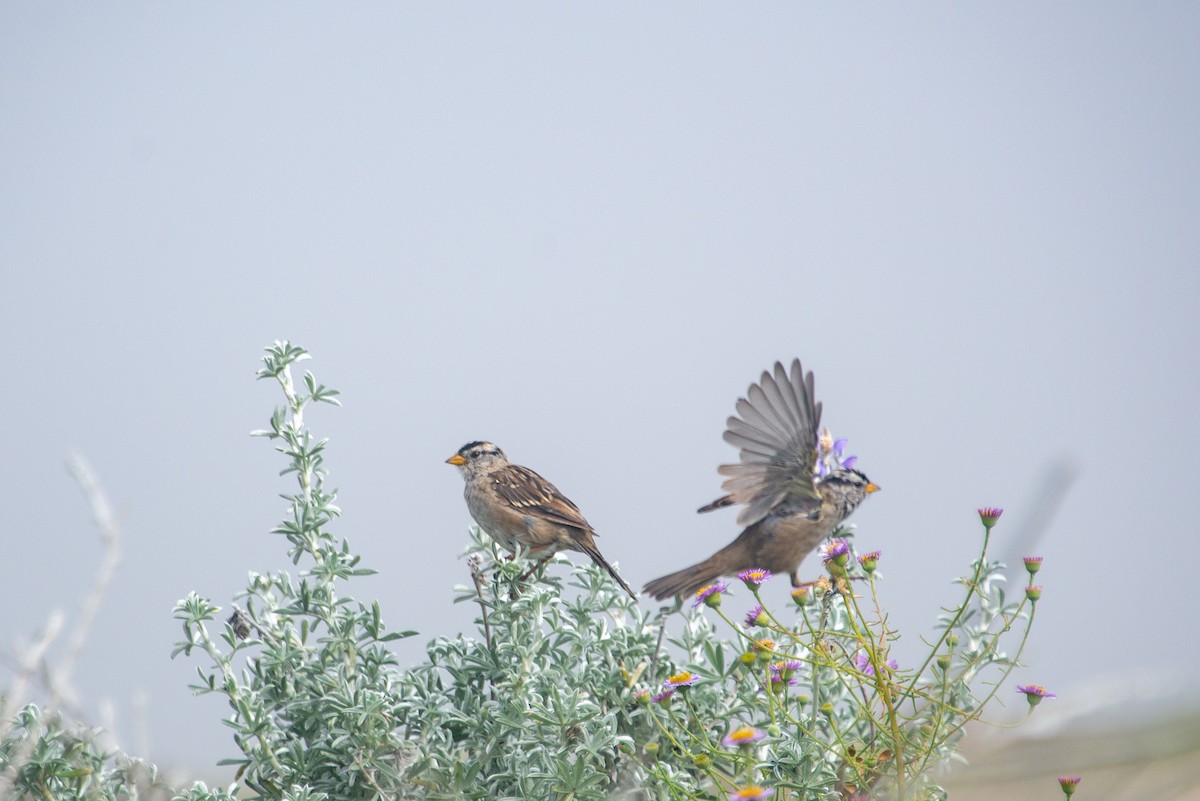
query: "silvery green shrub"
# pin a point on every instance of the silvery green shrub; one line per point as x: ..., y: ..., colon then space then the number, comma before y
x: 568, y: 689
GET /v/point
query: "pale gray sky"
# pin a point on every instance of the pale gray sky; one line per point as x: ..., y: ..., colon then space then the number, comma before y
x: 581, y: 232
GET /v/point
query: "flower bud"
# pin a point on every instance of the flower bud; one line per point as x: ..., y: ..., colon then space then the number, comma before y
x: 989, y: 516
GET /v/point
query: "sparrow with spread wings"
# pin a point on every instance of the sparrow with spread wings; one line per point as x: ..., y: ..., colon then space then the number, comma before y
x: 788, y: 510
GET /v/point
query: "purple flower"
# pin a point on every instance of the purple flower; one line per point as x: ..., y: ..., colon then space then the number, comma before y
x: 1068, y: 784
x: 1033, y: 564
x: 989, y: 515
x: 755, y: 617
x: 747, y: 735
x: 863, y: 663
x: 835, y: 548
x: 751, y: 792
x: 777, y: 682
x: 710, y: 595
x: 1034, y: 693
x: 754, y: 577
x: 682, y: 679
x: 829, y: 454
x: 786, y: 668
x: 664, y: 696
x: 869, y: 561
x: 779, y: 677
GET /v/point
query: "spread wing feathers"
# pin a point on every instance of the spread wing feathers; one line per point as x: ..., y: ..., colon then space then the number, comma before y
x: 523, y: 489
x: 776, y: 433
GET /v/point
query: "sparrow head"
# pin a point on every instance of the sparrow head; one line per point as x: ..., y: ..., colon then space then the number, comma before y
x: 847, y: 488
x: 478, y: 457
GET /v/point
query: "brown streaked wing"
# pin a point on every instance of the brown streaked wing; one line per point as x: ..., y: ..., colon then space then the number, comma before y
x: 526, y: 491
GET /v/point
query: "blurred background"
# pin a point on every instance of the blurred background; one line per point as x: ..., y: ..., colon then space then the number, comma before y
x: 581, y: 232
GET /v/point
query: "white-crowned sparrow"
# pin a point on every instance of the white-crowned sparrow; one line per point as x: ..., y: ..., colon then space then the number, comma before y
x: 787, y: 511
x: 514, y: 505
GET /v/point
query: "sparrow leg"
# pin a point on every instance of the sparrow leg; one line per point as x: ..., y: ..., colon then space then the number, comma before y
x: 536, y: 568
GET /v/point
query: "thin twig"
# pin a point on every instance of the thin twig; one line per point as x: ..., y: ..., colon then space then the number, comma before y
x: 662, y: 631
x: 110, y: 538
x: 58, y: 682
x: 29, y: 660
x: 475, y: 565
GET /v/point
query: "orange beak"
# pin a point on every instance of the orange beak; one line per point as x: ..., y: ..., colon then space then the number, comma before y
x: 872, y: 487
x: 457, y: 460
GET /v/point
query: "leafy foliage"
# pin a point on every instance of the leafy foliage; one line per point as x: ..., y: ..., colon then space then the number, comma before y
x: 42, y: 757
x: 559, y: 694
x: 567, y: 689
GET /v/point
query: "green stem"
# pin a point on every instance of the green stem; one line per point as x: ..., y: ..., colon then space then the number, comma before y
x: 882, y: 686
x: 972, y: 588
x: 976, y: 713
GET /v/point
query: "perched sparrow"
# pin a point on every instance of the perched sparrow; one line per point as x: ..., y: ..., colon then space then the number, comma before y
x: 514, y: 505
x: 787, y: 511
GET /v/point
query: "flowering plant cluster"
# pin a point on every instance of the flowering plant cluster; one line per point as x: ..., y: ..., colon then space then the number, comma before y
x: 569, y: 689
x: 809, y: 702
